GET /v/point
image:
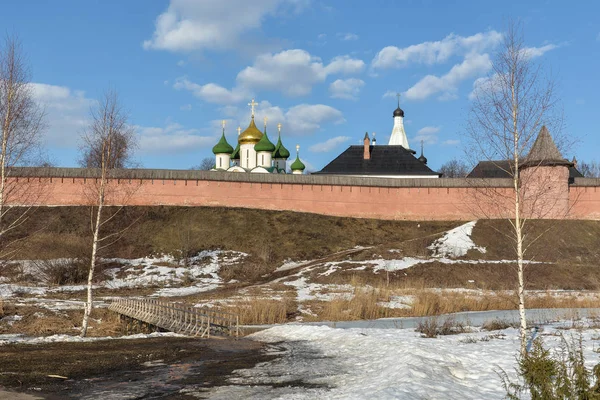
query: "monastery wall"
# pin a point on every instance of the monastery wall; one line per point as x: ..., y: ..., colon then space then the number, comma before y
x: 383, y: 198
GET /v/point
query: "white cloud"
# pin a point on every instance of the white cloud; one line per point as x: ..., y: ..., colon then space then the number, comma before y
x: 189, y: 25
x: 435, y: 52
x: 67, y: 112
x: 346, y: 88
x: 539, y: 51
x: 493, y: 83
x: 172, y: 138
x: 472, y: 66
x: 328, y: 145
x: 181, y: 63
x: 347, y: 36
x: 186, y: 107
x: 309, y: 118
x: 294, y: 72
x: 302, y: 119
x: 211, y: 92
x: 389, y: 93
x: 451, y: 142
x: 427, y: 134
x: 344, y: 65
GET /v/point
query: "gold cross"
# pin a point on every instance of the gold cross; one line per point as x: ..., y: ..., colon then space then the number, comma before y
x: 398, y: 94
x: 252, y: 104
x: 265, y: 119
x: 297, y: 148
x: 239, y: 129
x: 223, y: 124
x: 279, y: 127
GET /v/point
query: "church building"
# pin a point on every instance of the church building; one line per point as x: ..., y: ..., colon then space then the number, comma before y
x: 254, y: 152
x: 394, y: 160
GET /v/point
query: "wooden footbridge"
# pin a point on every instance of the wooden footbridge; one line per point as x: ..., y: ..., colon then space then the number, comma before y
x: 192, y: 321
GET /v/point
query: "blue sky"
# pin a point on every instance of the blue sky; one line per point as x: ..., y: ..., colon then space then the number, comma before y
x: 327, y: 70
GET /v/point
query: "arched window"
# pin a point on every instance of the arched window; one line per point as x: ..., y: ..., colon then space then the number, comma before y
x: 220, y: 162
x: 263, y: 160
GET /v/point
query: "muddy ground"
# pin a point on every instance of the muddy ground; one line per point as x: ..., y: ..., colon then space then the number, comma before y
x: 157, y: 368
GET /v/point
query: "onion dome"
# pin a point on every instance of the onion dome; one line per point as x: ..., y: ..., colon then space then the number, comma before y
x: 264, y: 144
x: 298, y: 165
x: 222, y: 147
x: 251, y: 135
x: 398, y: 112
x: 422, y: 158
x: 280, y: 151
x: 236, y: 153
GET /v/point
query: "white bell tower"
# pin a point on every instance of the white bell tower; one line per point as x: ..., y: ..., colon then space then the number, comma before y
x: 398, y: 137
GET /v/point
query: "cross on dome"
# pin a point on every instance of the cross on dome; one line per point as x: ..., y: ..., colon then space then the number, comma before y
x: 252, y: 104
x: 223, y: 124
x: 279, y: 127
x: 265, y: 119
x: 239, y: 129
x: 398, y: 95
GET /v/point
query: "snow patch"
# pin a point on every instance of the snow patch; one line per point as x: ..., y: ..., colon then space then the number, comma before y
x: 456, y: 242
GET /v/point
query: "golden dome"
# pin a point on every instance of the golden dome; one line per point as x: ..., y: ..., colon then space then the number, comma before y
x: 251, y: 135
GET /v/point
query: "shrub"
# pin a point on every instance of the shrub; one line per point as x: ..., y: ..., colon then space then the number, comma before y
x: 62, y: 271
x: 497, y: 325
x: 433, y: 327
x: 558, y: 376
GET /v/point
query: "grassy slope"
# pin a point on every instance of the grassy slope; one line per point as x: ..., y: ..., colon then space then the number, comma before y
x: 64, y: 231
x: 572, y: 247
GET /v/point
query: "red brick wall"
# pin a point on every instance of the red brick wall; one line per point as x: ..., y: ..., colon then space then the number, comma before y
x: 408, y: 203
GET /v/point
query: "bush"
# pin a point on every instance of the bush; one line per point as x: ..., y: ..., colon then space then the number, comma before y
x: 62, y: 271
x: 558, y: 376
x: 433, y: 327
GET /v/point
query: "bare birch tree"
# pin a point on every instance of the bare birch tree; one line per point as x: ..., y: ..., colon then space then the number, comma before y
x: 21, y: 120
x: 107, y: 146
x: 509, y: 109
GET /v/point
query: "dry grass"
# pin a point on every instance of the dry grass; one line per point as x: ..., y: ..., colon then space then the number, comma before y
x: 364, y: 304
x: 259, y: 311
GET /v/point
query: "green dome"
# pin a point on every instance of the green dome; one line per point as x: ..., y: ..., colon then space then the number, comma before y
x: 222, y: 147
x: 264, y: 144
x: 280, y: 150
x: 236, y: 153
x: 298, y: 165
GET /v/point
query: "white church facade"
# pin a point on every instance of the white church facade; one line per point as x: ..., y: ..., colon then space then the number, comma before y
x: 254, y: 152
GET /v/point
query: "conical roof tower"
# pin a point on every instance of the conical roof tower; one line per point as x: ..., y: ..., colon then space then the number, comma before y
x: 544, y: 152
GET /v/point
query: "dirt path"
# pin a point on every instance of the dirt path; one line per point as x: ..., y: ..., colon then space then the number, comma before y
x: 157, y: 368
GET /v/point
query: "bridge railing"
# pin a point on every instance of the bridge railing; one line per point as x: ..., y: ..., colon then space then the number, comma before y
x: 179, y: 318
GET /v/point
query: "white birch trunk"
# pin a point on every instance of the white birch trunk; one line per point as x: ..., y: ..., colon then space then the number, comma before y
x: 89, y: 303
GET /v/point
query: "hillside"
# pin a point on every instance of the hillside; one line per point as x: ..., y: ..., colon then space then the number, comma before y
x: 274, y: 267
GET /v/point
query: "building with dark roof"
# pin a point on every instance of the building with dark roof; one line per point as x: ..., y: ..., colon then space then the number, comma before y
x: 543, y: 153
x: 379, y: 161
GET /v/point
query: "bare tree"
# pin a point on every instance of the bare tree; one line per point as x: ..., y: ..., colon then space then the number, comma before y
x: 589, y: 169
x: 509, y: 109
x: 454, y: 169
x: 21, y: 121
x: 206, y: 164
x: 107, y: 144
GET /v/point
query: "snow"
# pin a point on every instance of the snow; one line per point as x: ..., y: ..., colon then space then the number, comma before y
x: 456, y: 242
x: 21, y: 339
x: 286, y: 266
x: 370, y: 363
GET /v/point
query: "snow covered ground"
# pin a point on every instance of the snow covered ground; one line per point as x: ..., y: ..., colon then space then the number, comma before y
x: 164, y: 272
x: 369, y: 363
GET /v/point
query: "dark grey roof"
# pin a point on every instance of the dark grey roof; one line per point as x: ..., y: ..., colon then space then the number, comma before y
x: 544, y: 151
x: 502, y: 169
x: 385, y: 160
